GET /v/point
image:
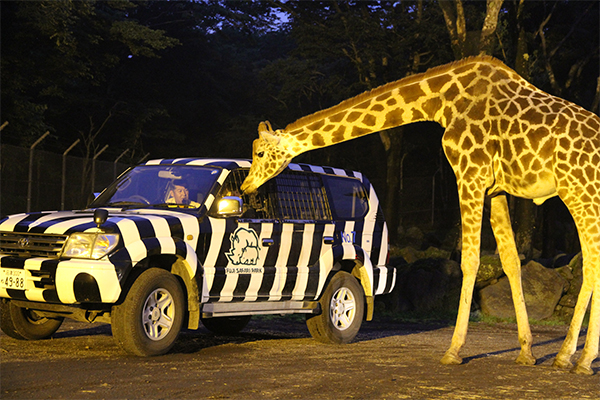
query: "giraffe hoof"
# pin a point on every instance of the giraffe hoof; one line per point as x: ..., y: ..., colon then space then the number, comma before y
x: 451, y: 359
x: 582, y: 370
x: 525, y: 359
x: 562, y: 364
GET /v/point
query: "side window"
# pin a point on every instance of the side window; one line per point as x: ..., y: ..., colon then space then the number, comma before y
x: 301, y: 196
x: 348, y: 197
x: 256, y: 206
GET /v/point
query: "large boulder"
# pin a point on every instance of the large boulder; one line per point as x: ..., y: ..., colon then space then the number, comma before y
x: 490, y: 269
x: 542, y: 289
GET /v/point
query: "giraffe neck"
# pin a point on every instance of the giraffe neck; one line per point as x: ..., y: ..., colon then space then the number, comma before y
x: 435, y: 95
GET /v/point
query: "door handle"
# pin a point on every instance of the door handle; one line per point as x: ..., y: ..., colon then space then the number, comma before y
x: 268, y: 242
x: 328, y: 239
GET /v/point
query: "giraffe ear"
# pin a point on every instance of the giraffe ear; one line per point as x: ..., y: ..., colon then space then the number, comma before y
x: 266, y: 133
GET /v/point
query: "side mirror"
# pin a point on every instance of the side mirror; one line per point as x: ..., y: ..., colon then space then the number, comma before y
x: 100, y: 216
x: 230, y: 206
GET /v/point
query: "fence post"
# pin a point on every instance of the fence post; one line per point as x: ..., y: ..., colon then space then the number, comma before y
x: 94, y: 168
x: 64, y: 174
x: 31, y: 169
x: 115, y: 164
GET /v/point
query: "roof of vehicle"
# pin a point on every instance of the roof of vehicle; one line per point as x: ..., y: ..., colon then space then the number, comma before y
x: 232, y: 163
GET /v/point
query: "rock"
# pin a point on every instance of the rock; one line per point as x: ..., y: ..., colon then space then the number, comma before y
x: 434, y: 252
x: 490, y: 269
x: 542, y: 289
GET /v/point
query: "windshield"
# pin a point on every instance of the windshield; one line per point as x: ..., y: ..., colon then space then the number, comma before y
x: 156, y: 185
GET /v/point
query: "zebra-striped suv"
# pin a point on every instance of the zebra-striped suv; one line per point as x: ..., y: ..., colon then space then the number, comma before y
x: 172, y: 243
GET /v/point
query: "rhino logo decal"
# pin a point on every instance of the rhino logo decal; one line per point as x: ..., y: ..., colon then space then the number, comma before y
x: 244, y: 247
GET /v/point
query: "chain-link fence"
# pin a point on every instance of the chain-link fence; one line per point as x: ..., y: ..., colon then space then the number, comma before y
x: 49, y: 180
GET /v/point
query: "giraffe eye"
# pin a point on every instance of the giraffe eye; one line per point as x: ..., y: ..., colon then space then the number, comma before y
x: 260, y: 154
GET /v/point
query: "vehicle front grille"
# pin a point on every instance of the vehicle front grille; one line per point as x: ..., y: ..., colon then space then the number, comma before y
x: 32, y: 244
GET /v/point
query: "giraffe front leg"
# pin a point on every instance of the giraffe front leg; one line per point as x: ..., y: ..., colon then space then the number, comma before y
x: 471, y: 213
x: 511, y: 264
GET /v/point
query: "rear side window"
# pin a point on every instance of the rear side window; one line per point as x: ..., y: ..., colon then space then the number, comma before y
x: 348, y: 197
x: 301, y: 196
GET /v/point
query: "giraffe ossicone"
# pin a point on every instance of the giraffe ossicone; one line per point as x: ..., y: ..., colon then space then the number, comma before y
x: 502, y: 135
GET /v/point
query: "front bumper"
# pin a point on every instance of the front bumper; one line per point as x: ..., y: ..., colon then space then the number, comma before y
x: 58, y: 281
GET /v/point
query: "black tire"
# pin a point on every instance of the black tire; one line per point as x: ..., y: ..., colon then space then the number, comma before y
x: 226, y: 325
x: 25, y: 324
x: 342, y: 311
x: 142, y: 325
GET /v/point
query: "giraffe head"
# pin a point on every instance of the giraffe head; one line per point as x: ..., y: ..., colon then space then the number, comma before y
x: 269, y: 158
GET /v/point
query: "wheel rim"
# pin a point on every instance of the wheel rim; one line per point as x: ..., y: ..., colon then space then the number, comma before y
x: 343, y: 308
x: 158, y: 314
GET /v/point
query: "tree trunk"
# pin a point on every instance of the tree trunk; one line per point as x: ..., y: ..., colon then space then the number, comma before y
x: 392, y: 141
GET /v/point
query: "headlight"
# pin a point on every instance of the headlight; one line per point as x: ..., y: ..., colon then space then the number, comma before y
x: 90, y: 245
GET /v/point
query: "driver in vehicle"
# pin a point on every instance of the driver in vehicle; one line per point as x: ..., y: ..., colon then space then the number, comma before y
x: 179, y: 194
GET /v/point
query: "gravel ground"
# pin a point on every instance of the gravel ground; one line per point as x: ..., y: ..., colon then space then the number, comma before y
x: 275, y: 358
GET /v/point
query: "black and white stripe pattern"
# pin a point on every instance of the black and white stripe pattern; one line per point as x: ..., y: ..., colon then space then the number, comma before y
x: 296, y: 267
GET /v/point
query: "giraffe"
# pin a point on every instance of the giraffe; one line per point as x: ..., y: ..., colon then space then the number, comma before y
x: 502, y: 135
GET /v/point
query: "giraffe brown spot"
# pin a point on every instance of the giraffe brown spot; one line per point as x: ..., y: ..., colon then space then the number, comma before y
x: 522, y: 102
x: 452, y: 92
x: 353, y: 116
x: 512, y: 109
x: 564, y: 143
x: 383, y: 96
x: 587, y: 132
x: 338, y: 135
x: 317, y: 140
x: 526, y: 160
x: 537, y: 165
x: 391, y: 102
x: 504, y: 124
x: 467, y: 143
x: 547, y: 149
x: 454, y: 133
x: 498, y: 76
x: 462, y: 104
x: 411, y: 93
x: 358, y: 131
x: 513, y: 85
x: 417, y: 115
x: 579, y: 116
x: 515, y: 128
x: 533, y: 116
x: 437, y: 82
x: 317, y: 125
x: 594, y: 123
x: 329, y: 127
x: 561, y: 155
x: 479, y: 88
x: 486, y: 70
x: 590, y: 172
x: 477, y: 111
x: 364, y: 105
x: 479, y: 157
x: 369, y: 120
x: 303, y: 136
x: 393, y: 119
x: 432, y: 106
x: 530, y: 178
x: 377, y: 108
x: 337, y: 117
x: 448, y: 115
x: 477, y: 134
x: 452, y: 155
x: 466, y: 80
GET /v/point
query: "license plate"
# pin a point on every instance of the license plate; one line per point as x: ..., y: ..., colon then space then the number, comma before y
x: 12, y: 278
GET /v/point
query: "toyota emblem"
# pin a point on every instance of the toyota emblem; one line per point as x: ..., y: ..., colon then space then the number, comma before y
x: 23, y: 242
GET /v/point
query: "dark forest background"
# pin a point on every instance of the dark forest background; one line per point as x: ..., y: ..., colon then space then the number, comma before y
x: 194, y: 78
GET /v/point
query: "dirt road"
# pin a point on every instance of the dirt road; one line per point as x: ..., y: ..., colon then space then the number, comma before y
x: 277, y: 359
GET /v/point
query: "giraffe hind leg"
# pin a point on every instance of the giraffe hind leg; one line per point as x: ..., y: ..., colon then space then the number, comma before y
x: 589, y: 235
x: 511, y: 264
